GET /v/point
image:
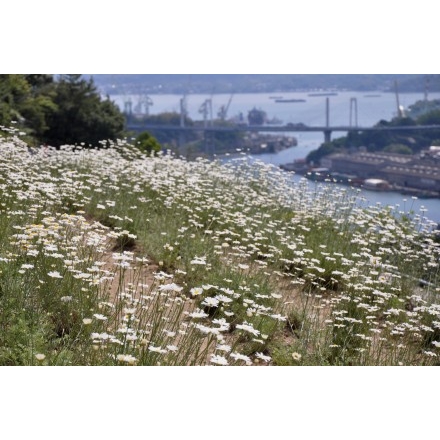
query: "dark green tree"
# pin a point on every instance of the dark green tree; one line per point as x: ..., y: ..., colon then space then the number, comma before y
x: 14, y: 91
x: 430, y: 118
x: 325, y: 149
x: 40, y: 106
x: 147, y: 143
x: 27, y: 100
x: 422, y: 107
x: 82, y: 116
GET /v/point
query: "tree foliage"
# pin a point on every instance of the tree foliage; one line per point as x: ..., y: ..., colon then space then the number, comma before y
x: 430, y: 118
x: 28, y: 101
x: 420, y: 108
x: 147, y: 143
x: 82, y: 116
x: 64, y: 111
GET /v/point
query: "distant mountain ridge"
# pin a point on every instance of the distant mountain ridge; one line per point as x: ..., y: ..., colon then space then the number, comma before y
x: 252, y: 83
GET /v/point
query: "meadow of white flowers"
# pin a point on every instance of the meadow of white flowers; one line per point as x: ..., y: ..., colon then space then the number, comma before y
x: 112, y: 257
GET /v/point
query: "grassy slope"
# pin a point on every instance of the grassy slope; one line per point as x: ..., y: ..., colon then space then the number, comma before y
x: 111, y: 257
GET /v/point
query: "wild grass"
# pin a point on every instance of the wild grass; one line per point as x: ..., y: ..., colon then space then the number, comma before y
x: 112, y: 257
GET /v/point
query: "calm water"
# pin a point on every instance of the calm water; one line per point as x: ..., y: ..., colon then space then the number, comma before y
x: 370, y: 110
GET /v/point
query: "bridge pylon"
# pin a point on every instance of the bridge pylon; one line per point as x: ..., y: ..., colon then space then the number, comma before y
x: 353, y: 112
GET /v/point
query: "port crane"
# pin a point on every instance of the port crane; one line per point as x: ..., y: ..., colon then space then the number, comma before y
x: 400, y: 108
x: 144, y: 101
x: 183, y: 110
x: 147, y: 102
x: 206, y: 110
x: 223, y: 112
x: 128, y: 105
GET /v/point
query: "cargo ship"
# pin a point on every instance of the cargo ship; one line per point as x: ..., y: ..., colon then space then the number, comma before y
x: 323, y: 94
x: 290, y: 100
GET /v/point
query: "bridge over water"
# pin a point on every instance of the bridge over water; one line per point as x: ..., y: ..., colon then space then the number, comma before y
x: 326, y: 129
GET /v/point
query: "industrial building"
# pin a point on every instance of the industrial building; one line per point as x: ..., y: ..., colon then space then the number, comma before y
x: 403, y: 172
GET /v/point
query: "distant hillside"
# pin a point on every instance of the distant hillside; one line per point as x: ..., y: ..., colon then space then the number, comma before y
x: 417, y: 83
x: 203, y: 83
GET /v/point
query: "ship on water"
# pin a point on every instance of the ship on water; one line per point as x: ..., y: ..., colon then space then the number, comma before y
x: 323, y: 94
x: 290, y: 100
